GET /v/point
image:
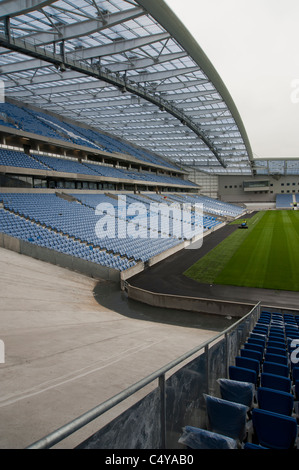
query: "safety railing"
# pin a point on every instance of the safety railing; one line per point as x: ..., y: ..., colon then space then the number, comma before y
x: 214, y: 360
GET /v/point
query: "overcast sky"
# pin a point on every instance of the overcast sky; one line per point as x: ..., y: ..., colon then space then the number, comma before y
x: 254, y: 46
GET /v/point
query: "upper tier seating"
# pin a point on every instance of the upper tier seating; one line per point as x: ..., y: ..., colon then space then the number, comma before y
x: 41, y: 123
x: 68, y: 165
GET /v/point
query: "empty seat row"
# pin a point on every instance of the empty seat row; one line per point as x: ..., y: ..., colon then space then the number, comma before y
x: 258, y: 403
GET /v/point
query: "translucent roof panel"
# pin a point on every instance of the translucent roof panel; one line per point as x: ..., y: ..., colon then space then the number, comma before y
x: 286, y: 167
x: 129, y: 68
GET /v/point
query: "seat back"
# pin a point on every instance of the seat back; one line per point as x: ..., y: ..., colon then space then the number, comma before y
x: 275, y: 400
x: 248, y: 363
x: 252, y: 354
x: 276, y: 344
x: 277, y: 369
x: 197, y: 438
x: 277, y: 358
x: 273, y: 350
x: 256, y: 347
x: 226, y: 417
x: 236, y: 391
x: 241, y: 374
x: 277, y: 382
x: 274, y: 430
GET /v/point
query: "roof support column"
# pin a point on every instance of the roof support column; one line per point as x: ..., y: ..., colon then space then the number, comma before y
x: 7, y: 27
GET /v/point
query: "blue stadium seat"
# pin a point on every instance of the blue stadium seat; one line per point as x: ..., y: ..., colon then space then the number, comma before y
x: 242, y: 374
x: 277, y: 358
x: 256, y: 347
x: 277, y: 369
x: 277, y: 382
x: 279, y: 351
x: 248, y: 363
x: 259, y: 342
x: 251, y: 353
x: 226, y: 417
x: 197, y: 438
x: 274, y: 430
x: 275, y: 400
x: 276, y: 344
x: 236, y: 391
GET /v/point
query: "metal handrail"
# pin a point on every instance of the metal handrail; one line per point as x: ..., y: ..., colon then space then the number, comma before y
x: 66, y: 430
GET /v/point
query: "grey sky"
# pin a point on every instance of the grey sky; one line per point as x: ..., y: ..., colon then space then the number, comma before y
x: 254, y: 46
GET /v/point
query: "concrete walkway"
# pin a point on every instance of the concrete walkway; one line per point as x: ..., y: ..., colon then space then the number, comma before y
x: 65, y: 353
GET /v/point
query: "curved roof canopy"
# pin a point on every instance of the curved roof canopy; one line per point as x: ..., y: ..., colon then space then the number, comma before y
x: 129, y: 68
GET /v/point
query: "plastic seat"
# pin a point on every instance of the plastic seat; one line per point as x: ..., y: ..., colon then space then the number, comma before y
x: 197, y: 438
x: 260, y: 336
x: 276, y: 337
x: 226, y: 417
x: 277, y: 358
x: 277, y: 382
x: 259, y: 342
x: 279, y: 351
x: 242, y: 375
x: 236, y: 391
x: 276, y: 344
x: 251, y: 353
x: 248, y: 363
x: 275, y: 400
x: 262, y: 326
x: 274, y: 368
x: 274, y: 430
x: 256, y: 347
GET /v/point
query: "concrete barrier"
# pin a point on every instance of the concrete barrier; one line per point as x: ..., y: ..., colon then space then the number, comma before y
x: 190, y: 304
x: 63, y: 260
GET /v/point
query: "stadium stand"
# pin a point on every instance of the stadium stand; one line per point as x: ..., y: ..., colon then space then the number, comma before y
x: 284, y: 201
x: 67, y: 165
x: 50, y: 214
x: 47, y: 125
x: 256, y: 409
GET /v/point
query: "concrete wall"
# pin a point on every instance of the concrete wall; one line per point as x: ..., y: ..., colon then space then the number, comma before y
x: 59, y: 259
x: 191, y: 304
x: 181, y: 404
x: 231, y: 188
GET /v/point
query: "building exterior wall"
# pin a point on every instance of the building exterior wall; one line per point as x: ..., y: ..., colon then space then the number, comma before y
x: 231, y: 188
x: 207, y: 183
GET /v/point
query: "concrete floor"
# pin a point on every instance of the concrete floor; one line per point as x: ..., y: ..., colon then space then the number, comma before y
x: 65, y: 353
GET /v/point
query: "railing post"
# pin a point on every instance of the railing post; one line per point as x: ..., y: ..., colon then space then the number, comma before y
x: 207, y: 357
x: 162, y: 387
x: 227, y: 360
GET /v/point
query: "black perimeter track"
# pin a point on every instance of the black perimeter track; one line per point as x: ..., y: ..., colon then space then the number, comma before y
x: 166, y: 277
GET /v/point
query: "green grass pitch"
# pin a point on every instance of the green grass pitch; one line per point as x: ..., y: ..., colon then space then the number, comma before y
x: 266, y: 255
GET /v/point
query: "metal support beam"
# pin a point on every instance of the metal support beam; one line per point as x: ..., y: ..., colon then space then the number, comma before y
x: 130, y: 87
x: 83, y: 28
x: 20, y: 7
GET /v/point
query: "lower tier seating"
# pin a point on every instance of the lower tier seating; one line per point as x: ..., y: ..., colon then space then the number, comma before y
x: 258, y: 403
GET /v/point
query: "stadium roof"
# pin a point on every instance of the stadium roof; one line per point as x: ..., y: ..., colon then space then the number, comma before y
x: 129, y: 68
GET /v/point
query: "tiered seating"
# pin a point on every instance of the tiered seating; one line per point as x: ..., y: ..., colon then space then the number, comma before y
x: 48, y: 125
x: 79, y: 221
x: 23, y: 229
x: 284, y: 201
x: 211, y: 206
x: 19, y: 159
x: 66, y: 165
x: 258, y: 408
